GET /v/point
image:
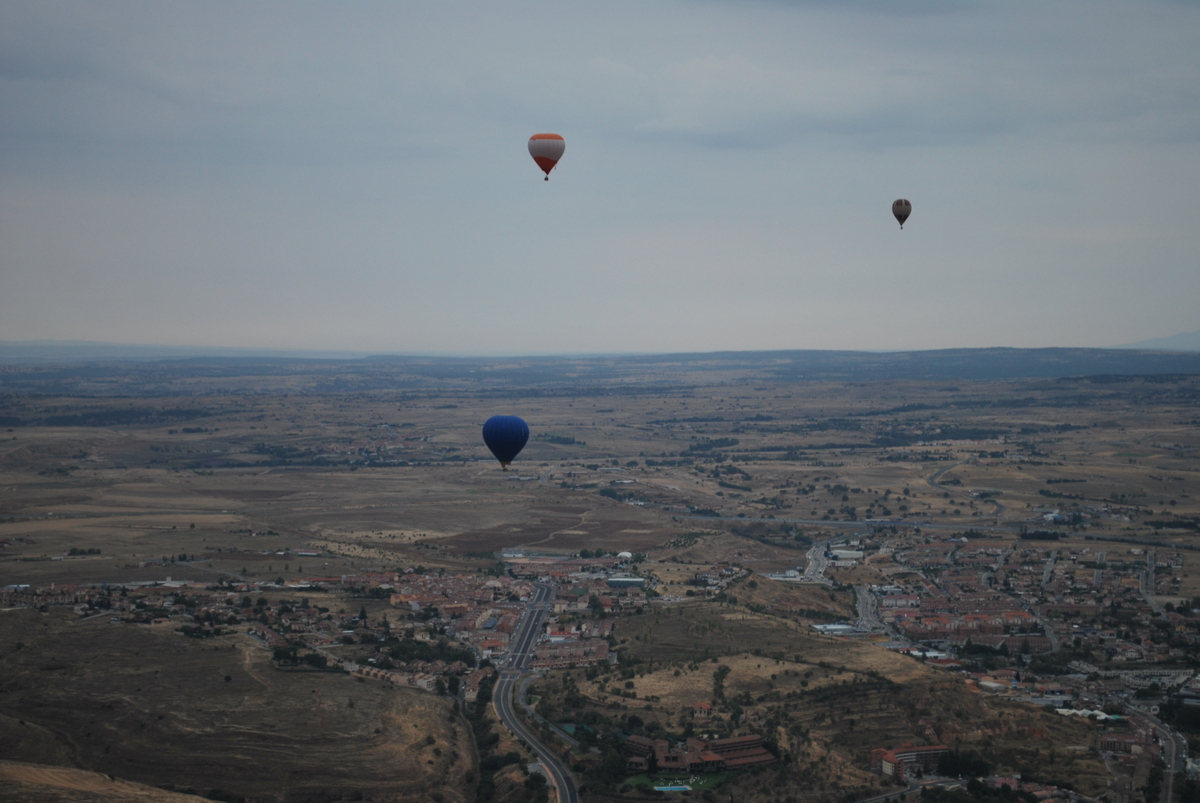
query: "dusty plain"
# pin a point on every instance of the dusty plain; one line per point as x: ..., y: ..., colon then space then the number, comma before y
x: 727, y: 464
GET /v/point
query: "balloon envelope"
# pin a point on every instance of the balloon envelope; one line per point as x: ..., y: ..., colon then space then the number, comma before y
x: 901, y: 208
x: 506, y: 436
x: 546, y: 150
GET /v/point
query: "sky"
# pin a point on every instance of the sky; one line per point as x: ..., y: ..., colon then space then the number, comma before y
x: 354, y: 176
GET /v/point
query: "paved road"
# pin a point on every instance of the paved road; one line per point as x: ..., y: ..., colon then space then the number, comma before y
x: 1048, y: 572
x: 1175, y: 754
x: 814, y: 568
x: 868, y: 614
x: 514, y: 665
x: 933, y: 478
x: 865, y: 524
x: 528, y: 628
x: 1147, y: 586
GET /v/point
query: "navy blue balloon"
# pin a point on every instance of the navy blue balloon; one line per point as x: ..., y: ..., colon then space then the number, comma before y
x: 506, y: 436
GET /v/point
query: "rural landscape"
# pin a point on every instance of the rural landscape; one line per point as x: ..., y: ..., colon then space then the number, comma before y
x: 772, y: 576
x: 673, y: 402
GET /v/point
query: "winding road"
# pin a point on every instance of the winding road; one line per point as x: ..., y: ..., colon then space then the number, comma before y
x: 932, y: 481
x: 514, y: 666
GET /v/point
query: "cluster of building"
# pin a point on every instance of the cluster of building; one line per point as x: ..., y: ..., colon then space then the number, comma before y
x: 426, y: 680
x: 583, y: 594
x: 483, y: 612
x: 27, y: 596
x: 478, y: 610
x: 569, y: 653
x: 906, y: 761
x: 716, y: 577
x: 1128, y: 744
x: 990, y: 619
x: 558, y: 569
x: 1037, y: 594
x: 695, y: 755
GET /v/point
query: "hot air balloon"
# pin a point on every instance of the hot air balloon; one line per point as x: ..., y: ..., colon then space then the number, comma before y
x: 901, y: 208
x: 546, y: 150
x: 506, y: 436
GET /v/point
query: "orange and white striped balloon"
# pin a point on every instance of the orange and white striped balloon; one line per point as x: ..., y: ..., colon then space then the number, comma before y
x: 546, y: 150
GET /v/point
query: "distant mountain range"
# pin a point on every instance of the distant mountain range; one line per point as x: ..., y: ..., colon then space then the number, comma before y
x: 46, y: 352
x: 90, y: 368
x: 1188, y: 341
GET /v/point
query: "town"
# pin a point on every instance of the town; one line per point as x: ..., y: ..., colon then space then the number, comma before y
x: 1071, y: 624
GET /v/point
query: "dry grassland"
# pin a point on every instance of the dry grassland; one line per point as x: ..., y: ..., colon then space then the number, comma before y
x: 702, y: 631
x: 38, y: 783
x: 399, y: 478
x: 129, y: 486
x: 148, y: 705
x: 829, y: 704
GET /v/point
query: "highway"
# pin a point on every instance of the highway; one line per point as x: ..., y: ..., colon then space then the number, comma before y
x: 514, y: 665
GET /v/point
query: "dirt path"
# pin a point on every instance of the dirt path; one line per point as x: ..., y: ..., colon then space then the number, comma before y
x: 247, y: 651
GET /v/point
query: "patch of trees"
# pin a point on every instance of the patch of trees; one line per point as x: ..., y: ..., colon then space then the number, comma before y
x: 766, y: 534
x: 1039, y: 535
x: 109, y: 418
x: 599, y: 553
x: 1189, y: 791
x: 709, y: 444
x: 1184, y: 717
x: 606, y: 773
x: 976, y: 791
x: 719, y: 683
x: 1176, y: 524
x: 963, y: 764
x: 282, y: 451
x: 561, y: 440
x: 1059, y: 494
x: 911, y: 457
x: 897, y: 437
x: 486, y: 740
x: 413, y: 650
x: 289, y: 656
x: 196, y: 631
x: 827, y: 424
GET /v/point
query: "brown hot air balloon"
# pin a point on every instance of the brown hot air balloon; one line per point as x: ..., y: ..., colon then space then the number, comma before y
x: 901, y: 208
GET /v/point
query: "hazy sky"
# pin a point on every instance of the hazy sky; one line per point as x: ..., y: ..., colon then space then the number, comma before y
x: 355, y: 175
